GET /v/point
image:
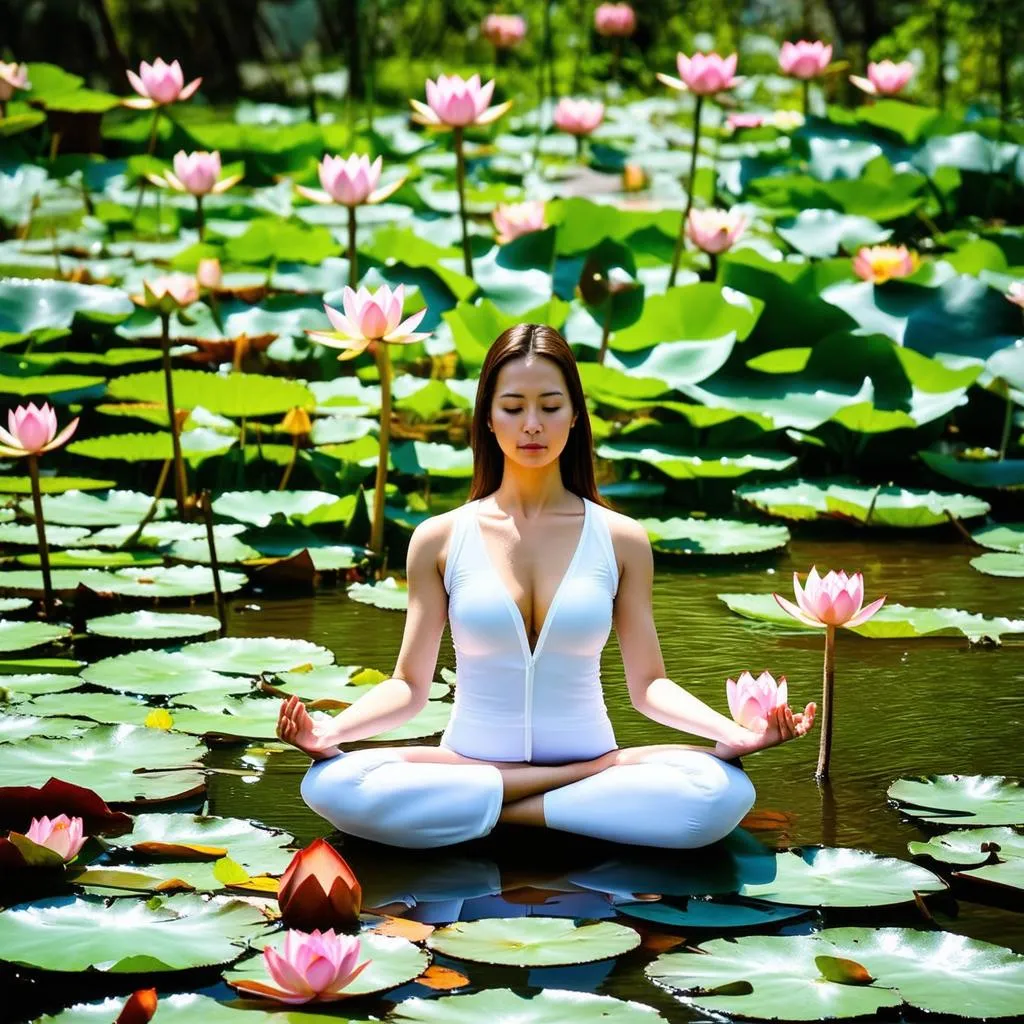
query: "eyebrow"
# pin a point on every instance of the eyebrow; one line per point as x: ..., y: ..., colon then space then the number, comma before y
x: 515, y: 394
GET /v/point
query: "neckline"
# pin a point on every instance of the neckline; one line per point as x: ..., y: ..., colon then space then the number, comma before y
x: 517, y: 615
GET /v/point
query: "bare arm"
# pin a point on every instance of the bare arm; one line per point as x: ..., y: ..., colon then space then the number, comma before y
x: 653, y: 694
x: 395, y: 700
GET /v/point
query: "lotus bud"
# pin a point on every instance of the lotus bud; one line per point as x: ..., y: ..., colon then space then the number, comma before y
x: 634, y: 178
x: 614, y: 20
x: 208, y: 274
x: 319, y: 890
x: 62, y: 835
x: 504, y: 30
x: 514, y: 219
x: 12, y: 77
x: 804, y: 59
x: 885, y: 78
x: 159, y: 84
x: 753, y: 701
x: 881, y: 263
x: 296, y: 422
x: 714, y: 231
x: 578, y: 117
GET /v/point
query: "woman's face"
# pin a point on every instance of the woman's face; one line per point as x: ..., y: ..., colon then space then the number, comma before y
x: 531, y: 406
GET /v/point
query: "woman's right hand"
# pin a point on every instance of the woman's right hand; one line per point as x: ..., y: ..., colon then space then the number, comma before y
x: 295, y: 725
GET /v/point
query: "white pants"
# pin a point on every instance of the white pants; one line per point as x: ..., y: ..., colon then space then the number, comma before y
x: 679, y: 799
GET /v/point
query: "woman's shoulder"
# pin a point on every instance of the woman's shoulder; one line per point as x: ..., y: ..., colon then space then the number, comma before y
x: 436, y: 534
x: 629, y: 538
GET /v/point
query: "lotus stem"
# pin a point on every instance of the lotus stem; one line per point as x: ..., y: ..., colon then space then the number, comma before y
x: 689, y: 193
x: 383, y: 360
x: 579, y: 149
x: 353, y: 269
x: 56, y: 252
x: 606, y: 329
x: 460, y: 178
x: 54, y: 145
x: 807, y: 96
x: 150, y: 146
x: 1004, y: 441
x: 161, y: 482
x: 827, y: 687
x: 616, y: 57
x: 200, y: 219
x: 287, y: 475
x: 180, y: 481
x: 712, y: 266
x: 44, y: 551
x: 222, y: 614
x: 3, y: 108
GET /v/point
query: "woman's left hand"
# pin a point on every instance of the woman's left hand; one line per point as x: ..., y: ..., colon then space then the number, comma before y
x: 782, y: 725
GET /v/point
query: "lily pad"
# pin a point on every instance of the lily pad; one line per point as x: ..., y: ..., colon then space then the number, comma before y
x: 548, y: 1006
x: 21, y: 685
x: 1001, y: 537
x: 832, y: 877
x: 890, y: 621
x: 533, y: 941
x: 1000, y: 563
x: 76, y: 933
x: 21, y: 636
x: 699, y: 913
x: 963, y: 800
x: 155, y: 582
x: 260, y: 507
x: 52, y: 485
x: 105, y: 708
x: 104, y: 759
x: 388, y: 594
x: 147, y: 625
x: 175, y: 1008
x: 680, y: 536
x: 56, y: 536
x: 156, y: 673
x: 15, y: 728
x: 994, y: 856
x: 254, y: 655
x: 683, y: 465
x: 872, y: 506
x: 335, y: 682
x: 393, y: 961
x: 236, y: 718
x: 778, y: 977
x: 114, y: 508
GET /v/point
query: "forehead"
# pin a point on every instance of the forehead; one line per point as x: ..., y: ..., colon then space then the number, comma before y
x: 530, y: 375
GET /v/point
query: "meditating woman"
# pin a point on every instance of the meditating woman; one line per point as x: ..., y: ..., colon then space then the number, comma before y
x: 531, y: 573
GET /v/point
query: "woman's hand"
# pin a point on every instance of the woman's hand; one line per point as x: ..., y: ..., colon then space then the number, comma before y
x: 295, y: 725
x: 782, y: 725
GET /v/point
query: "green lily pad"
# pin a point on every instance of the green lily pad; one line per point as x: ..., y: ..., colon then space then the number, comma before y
x: 234, y: 718
x: 104, y: 759
x: 388, y: 594
x: 21, y: 636
x: 548, y: 1006
x: 710, y: 914
x: 20, y: 686
x: 994, y: 856
x: 52, y: 485
x: 27, y: 305
x: 173, y: 581
x: 333, y: 682
x: 94, y: 558
x: 260, y: 507
x: 56, y: 536
x: 178, y: 1008
x: 76, y: 933
x: 105, y: 708
x: 254, y: 655
x: 822, y: 233
x: 14, y: 604
x: 976, y: 472
x: 155, y: 673
x: 113, y: 508
x: 230, y: 551
x: 1001, y: 537
x: 680, y: 536
x: 833, y: 877
x: 15, y: 728
x: 769, y: 977
x: 1000, y: 563
x: 890, y: 621
x: 963, y: 800
x: 682, y: 465
x: 393, y: 961
x: 147, y: 625
x: 533, y: 941
x: 154, y: 446
x: 874, y: 506
x: 236, y: 395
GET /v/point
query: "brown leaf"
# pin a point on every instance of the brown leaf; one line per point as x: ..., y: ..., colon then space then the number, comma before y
x: 767, y: 821
x: 842, y: 971
x: 414, y: 931
x: 441, y: 978
x: 660, y: 942
x: 139, y: 1008
x: 20, y: 804
x: 180, y: 851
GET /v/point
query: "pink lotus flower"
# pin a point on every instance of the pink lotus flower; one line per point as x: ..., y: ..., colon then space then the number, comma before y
x: 880, y: 263
x: 614, y: 20
x: 350, y: 182
x: 208, y: 274
x: 32, y: 431
x: 312, y: 967
x: 168, y: 291
x: 62, y: 834
x: 703, y: 74
x: 454, y: 103
x: 369, y: 318
x: 805, y: 60
x: 12, y: 77
x: 504, y: 30
x: 578, y: 117
x: 1015, y: 293
x: 885, y: 78
x: 833, y: 601
x: 735, y: 121
x: 752, y: 701
x: 714, y: 231
x: 514, y: 219
x: 159, y: 84
x: 197, y: 173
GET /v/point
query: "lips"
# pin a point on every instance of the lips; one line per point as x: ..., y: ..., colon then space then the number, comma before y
x: 532, y: 447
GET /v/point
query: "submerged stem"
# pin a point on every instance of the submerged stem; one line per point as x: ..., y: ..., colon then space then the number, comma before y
x: 827, y: 687
x: 44, y: 551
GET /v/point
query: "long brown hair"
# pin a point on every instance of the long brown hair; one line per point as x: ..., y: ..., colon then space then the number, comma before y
x: 577, y: 458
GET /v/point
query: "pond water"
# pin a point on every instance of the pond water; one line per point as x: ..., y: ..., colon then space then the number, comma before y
x: 925, y: 706
x: 903, y: 707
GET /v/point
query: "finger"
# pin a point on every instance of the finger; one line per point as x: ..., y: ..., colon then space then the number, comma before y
x: 790, y: 723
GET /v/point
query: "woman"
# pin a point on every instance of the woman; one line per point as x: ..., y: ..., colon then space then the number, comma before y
x: 531, y: 572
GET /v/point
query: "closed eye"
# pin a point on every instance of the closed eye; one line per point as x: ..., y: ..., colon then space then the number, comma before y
x: 513, y: 411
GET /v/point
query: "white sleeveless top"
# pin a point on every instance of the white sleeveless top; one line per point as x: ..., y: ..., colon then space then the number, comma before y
x: 511, y: 705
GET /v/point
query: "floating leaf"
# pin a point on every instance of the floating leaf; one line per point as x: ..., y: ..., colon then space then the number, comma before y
x: 147, y: 625
x: 110, y: 509
x: 157, y: 673
x: 963, y: 800
x: 1001, y: 537
x: 1000, y: 563
x: 533, y: 941
x: 260, y: 507
x: 680, y: 536
x: 21, y: 636
x: 181, y: 1008
x: 253, y: 655
x: 548, y: 1006
x: 75, y: 933
x: 710, y: 914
